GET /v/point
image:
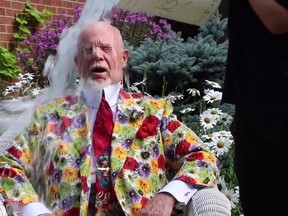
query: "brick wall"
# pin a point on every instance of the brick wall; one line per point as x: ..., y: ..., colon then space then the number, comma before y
x: 9, y: 8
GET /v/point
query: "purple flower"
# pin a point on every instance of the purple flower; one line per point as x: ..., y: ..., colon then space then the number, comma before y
x: 133, y: 196
x: 114, y: 175
x: 139, y: 26
x: 155, y: 150
x: 76, y: 163
x: 19, y: 178
x: 170, y: 153
x: 164, y: 124
x: 79, y: 121
x: 121, y: 117
x: 143, y: 170
x: 127, y: 142
x: 66, y: 203
x: 77, y: 11
x: 53, y: 117
x: 65, y: 136
x: 57, y: 176
x: 202, y: 164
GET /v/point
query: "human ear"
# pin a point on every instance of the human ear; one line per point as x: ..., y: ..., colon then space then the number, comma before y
x: 125, y: 57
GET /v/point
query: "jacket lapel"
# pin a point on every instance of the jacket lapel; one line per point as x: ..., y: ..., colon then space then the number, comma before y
x: 83, y: 145
x: 129, y: 117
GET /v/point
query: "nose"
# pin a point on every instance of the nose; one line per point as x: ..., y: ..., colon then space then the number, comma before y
x: 97, y: 53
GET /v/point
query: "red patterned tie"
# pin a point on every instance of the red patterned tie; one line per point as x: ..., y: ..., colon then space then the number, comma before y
x: 102, y: 135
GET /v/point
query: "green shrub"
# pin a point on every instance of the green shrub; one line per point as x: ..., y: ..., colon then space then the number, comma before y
x: 8, y: 64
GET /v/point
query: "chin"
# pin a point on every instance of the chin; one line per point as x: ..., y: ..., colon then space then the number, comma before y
x: 96, y: 84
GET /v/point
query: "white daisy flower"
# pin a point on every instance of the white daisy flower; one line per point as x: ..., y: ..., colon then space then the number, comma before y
x: 207, y: 120
x: 226, y: 134
x: 8, y: 90
x: 179, y: 96
x: 221, y: 183
x: 215, y: 112
x: 174, y: 98
x: 26, y: 76
x: 208, y: 136
x: 187, y: 110
x: 232, y: 196
x: 226, y: 118
x: 143, y: 82
x: 24, y: 82
x: 18, y: 85
x: 237, y: 189
x: 135, y: 89
x: 193, y: 91
x: 220, y: 145
x: 36, y: 91
x: 223, y: 133
x: 136, y: 111
x: 213, y: 84
x: 212, y: 96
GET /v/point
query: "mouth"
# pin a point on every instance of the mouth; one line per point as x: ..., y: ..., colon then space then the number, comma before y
x: 98, y: 69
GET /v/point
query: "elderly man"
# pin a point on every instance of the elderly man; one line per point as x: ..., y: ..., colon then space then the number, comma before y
x: 107, y: 151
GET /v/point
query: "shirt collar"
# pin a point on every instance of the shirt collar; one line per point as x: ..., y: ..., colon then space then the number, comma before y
x: 92, y: 98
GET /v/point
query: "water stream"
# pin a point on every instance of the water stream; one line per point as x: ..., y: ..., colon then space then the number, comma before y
x: 15, y: 115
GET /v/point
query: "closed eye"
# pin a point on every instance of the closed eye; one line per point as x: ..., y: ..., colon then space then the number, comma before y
x: 106, y: 48
x: 88, y: 50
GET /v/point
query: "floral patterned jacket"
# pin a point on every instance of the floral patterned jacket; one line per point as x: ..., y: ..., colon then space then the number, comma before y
x: 149, y: 148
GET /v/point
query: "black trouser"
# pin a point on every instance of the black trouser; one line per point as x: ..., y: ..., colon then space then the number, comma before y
x: 91, y: 207
x: 261, y: 160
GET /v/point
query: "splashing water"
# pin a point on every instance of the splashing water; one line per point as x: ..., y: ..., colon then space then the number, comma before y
x: 15, y: 115
x: 64, y: 71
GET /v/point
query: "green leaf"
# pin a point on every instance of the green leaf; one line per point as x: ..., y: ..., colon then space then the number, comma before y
x: 8, y: 64
x: 25, y: 29
x: 36, y: 15
x: 21, y: 21
x: 47, y: 12
x: 28, y: 5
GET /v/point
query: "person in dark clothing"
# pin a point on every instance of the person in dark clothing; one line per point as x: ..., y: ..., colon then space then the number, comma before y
x: 256, y: 81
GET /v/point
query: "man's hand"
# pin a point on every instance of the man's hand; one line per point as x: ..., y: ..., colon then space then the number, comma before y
x: 161, y: 205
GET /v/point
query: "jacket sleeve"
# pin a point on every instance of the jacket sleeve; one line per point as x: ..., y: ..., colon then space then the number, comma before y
x: 16, y: 165
x: 187, y: 158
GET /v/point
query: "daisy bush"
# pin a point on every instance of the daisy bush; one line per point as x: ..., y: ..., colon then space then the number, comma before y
x: 25, y: 86
x: 211, y: 120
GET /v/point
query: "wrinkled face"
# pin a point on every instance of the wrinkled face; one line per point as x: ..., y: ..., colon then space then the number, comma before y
x: 101, y: 57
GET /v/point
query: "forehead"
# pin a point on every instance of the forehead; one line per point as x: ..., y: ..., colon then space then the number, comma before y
x: 99, y: 33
